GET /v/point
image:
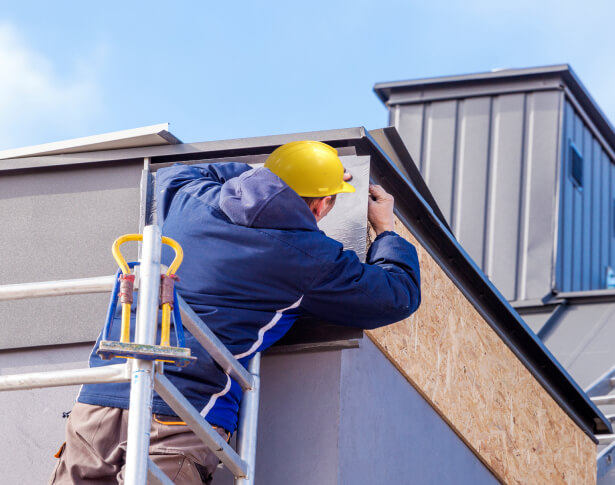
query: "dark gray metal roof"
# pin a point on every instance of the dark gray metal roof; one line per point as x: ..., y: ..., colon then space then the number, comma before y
x: 535, y: 78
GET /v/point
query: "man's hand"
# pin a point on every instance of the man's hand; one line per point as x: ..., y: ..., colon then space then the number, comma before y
x: 380, y: 209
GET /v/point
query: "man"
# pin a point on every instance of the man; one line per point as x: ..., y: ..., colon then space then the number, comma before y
x: 254, y: 259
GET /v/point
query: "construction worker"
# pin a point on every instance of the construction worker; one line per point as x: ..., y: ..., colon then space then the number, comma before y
x: 254, y: 260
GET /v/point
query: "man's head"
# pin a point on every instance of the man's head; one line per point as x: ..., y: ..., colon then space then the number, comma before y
x: 313, y: 170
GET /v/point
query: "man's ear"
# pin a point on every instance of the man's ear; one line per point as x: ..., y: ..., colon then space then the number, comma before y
x: 321, y: 207
x: 317, y: 206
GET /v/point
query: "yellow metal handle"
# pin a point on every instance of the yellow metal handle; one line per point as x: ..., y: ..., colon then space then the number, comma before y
x: 165, y: 331
x: 179, y: 254
x: 121, y: 262
x: 115, y: 250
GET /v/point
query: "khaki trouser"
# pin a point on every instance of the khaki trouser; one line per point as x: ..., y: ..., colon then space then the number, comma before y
x: 95, y: 449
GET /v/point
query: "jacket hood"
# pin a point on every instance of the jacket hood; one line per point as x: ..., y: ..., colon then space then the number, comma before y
x: 259, y: 198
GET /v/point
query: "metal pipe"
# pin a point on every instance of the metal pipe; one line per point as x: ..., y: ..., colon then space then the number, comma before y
x: 212, y: 344
x: 199, y: 426
x: 156, y: 476
x: 147, y: 313
x: 142, y: 383
x: 56, y: 378
x: 248, y: 423
x: 20, y: 291
x: 601, y: 400
x: 605, y: 439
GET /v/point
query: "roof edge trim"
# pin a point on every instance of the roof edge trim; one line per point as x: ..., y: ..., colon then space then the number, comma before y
x: 135, y: 137
x: 563, y: 71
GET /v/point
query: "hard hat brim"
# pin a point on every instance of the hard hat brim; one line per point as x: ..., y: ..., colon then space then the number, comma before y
x: 345, y: 189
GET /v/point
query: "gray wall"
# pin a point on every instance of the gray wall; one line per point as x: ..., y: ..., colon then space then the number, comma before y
x: 390, y: 434
x: 31, y: 421
x: 59, y: 224
x: 491, y: 164
x: 586, y: 223
x: 343, y: 417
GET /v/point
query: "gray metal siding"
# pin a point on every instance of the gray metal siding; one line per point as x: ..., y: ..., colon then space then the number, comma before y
x: 586, y: 222
x: 491, y: 164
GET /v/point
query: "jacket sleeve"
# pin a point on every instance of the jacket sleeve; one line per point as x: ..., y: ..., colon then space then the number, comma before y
x: 384, y: 290
x: 171, y: 180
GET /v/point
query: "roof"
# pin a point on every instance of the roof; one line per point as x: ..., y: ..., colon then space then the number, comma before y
x: 136, y: 137
x: 560, y: 77
x: 393, y: 168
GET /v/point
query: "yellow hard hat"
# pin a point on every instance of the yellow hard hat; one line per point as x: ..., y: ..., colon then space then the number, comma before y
x: 310, y: 168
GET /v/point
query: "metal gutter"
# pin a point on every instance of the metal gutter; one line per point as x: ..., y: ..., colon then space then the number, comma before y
x: 419, y: 217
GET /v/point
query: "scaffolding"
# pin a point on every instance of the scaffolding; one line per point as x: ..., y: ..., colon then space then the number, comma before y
x: 146, y: 375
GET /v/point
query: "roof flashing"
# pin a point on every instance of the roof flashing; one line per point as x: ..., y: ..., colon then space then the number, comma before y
x: 152, y: 135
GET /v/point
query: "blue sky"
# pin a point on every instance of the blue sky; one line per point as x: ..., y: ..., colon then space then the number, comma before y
x: 242, y: 68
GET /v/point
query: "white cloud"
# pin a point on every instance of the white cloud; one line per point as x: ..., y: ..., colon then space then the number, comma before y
x: 38, y: 103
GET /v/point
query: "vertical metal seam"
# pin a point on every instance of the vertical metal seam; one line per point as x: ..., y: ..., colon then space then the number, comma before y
x: 575, y: 222
x: 520, y: 206
x: 456, y: 186
x: 526, y: 166
x: 583, y: 194
x: 424, y: 125
x: 606, y: 216
x: 610, y: 224
x: 556, y: 272
x: 597, y: 164
x: 488, y: 155
x: 571, y: 217
x: 606, y: 226
x: 491, y: 188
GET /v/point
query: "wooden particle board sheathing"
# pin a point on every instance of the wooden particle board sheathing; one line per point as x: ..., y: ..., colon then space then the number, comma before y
x: 476, y: 383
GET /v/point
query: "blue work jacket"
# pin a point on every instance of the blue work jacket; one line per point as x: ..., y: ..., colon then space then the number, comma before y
x: 254, y: 260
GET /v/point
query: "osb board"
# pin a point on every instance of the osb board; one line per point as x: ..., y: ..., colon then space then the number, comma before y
x: 470, y: 376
